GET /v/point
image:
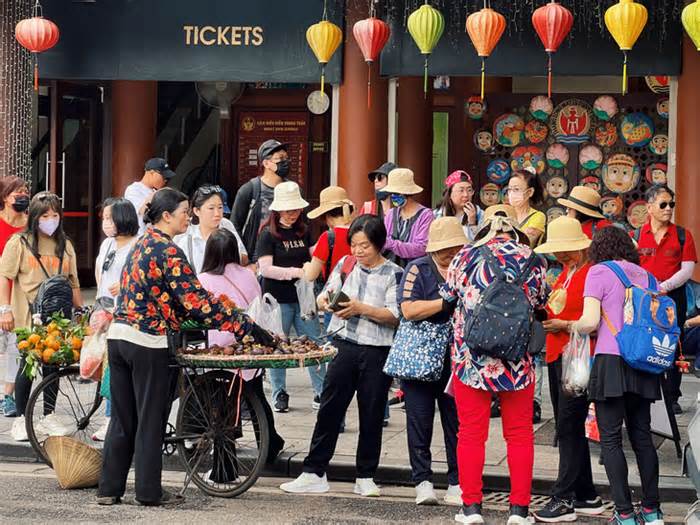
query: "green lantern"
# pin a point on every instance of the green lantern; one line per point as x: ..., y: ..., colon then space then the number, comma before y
x: 426, y: 25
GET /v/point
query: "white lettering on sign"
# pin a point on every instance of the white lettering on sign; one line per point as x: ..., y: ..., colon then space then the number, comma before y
x: 223, y: 35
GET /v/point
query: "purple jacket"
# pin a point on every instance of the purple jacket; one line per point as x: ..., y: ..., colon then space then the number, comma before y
x: 418, y: 238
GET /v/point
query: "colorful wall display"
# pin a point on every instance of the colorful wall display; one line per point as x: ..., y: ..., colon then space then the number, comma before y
x: 606, y: 135
x: 637, y: 214
x: 555, y: 212
x: 483, y: 140
x: 508, y: 130
x: 541, y: 108
x: 636, y: 129
x: 620, y: 173
x: 536, y: 132
x: 557, y: 186
x: 605, y: 107
x: 663, y: 107
x: 590, y: 157
x: 490, y: 194
x: 557, y: 156
x: 527, y: 157
x: 572, y: 122
x: 659, y: 144
x: 475, y: 107
x: 498, y: 171
x: 657, y: 173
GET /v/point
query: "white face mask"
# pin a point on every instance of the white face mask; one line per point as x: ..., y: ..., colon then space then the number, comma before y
x: 49, y: 226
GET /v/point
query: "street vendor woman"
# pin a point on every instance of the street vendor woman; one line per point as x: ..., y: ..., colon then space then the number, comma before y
x: 158, y: 291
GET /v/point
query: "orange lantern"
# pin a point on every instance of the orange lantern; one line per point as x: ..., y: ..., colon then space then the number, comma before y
x: 371, y: 35
x: 485, y: 30
x: 37, y: 34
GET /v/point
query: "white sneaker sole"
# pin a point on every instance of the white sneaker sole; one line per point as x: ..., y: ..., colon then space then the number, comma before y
x: 372, y: 494
x: 453, y: 500
x: 519, y: 520
x: 308, y: 489
x: 428, y: 500
x: 474, y: 518
x: 560, y: 519
x: 591, y: 512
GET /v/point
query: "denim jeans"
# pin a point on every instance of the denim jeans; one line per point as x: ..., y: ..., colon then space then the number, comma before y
x: 291, y: 316
x: 538, y: 363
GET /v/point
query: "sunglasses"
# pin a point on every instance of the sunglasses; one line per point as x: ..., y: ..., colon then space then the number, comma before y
x: 210, y: 190
x: 109, y: 260
x: 377, y: 176
x: 670, y: 204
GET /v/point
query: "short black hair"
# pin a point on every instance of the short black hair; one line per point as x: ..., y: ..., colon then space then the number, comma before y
x: 164, y: 200
x: 612, y: 244
x: 202, y: 195
x: 124, y: 216
x: 372, y: 226
x: 221, y: 249
x: 656, y: 190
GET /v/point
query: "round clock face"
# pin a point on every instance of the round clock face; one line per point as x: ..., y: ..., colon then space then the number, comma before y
x: 318, y: 103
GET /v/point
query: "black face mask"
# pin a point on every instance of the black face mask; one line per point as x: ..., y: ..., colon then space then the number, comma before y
x: 381, y: 194
x: 21, y: 203
x: 283, y: 168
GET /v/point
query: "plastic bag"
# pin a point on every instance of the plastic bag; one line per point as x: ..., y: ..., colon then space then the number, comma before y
x: 266, y: 313
x: 92, y: 355
x: 307, y: 299
x: 576, y: 365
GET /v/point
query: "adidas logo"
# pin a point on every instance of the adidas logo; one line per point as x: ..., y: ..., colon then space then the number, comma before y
x: 664, y: 347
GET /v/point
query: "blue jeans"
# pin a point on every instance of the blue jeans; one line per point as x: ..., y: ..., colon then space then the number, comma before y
x: 538, y: 363
x: 291, y: 316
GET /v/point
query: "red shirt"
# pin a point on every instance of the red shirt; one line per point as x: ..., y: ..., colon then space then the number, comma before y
x: 341, y: 248
x: 664, y: 259
x: 6, y: 231
x: 572, y: 311
x: 598, y: 223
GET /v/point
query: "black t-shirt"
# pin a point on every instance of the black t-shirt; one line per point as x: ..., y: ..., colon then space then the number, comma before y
x: 288, y: 252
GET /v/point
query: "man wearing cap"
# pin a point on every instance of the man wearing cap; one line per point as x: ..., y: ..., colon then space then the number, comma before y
x: 381, y: 203
x: 252, y: 205
x: 156, y: 175
x: 583, y: 204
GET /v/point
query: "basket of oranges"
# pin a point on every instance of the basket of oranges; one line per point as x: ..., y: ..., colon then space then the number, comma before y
x: 57, y: 343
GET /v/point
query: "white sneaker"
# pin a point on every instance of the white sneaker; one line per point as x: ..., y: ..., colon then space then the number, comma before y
x: 307, y: 483
x: 425, y: 494
x: 453, y: 496
x: 19, y: 429
x: 101, y: 432
x: 51, y: 426
x: 519, y: 520
x: 366, y: 487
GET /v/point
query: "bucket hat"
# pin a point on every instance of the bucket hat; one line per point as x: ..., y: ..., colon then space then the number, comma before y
x: 287, y: 197
x: 564, y: 234
x: 331, y: 198
x: 401, y: 182
x: 499, y: 218
x: 583, y: 199
x: 384, y: 169
x: 445, y: 232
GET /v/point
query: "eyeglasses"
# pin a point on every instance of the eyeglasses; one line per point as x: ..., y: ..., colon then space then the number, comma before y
x: 109, y: 260
x: 670, y: 204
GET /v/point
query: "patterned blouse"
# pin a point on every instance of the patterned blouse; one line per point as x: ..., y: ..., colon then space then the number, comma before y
x: 159, y: 291
x: 467, y: 277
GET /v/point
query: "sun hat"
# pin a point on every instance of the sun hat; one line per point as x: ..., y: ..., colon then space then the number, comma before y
x: 456, y: 177
x: 331, y: 198
x: 287, y: 197
x: 401, y: 182
x: 445, y: 232
x: 503, y: 209
x: 499, y: 218
x: 583, y: 199
x: 384, y: 169
x: 564, y: 234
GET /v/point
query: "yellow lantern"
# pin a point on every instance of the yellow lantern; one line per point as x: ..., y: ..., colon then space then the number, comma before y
x: 324, y: 39
x: 625, y: 22
x: 691, y: 22
x: 426, y: 25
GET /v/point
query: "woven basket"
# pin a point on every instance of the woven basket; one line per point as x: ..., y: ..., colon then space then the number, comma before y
x: 77, y: 465
x: 259, y: 361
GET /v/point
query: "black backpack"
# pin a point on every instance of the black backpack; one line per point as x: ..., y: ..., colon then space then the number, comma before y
x: 501, y: 324
x: 55, y: 294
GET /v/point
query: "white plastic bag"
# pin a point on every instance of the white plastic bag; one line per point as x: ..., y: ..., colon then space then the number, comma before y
x: 92, y: 355
x: 266, y: 313
x: 576, y: 365
x: 307, y: 299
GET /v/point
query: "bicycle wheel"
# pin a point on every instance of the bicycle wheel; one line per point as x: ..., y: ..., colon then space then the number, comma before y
x: 222, y: 434
x: 74, y: 406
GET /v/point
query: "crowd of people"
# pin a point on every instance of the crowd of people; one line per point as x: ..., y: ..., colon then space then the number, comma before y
x: 416, y: 285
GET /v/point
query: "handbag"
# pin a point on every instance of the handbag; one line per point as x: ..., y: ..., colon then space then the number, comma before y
x: 418, y: 351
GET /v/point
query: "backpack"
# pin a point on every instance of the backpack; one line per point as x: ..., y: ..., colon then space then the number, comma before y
x: 55, y: 294
x: 501, y: 324
x: 320, y: 281
x: 679, y: 230
x: 650, y: 333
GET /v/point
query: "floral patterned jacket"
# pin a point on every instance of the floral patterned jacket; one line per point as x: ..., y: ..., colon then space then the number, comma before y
x: 467, y: 277
x: 159, y: 290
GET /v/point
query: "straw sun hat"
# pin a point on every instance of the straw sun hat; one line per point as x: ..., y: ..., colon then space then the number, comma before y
x: 287, y: 197
x: 564, y: 234
x: 445, y: 232
x: 583, y: 199
x: 401, y: 182
x: 331, y: 198
x: 499, y: 218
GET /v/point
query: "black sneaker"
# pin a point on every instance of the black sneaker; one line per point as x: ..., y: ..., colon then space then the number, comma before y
x: 677, y: 408
x: 495, y: 408
x: 470, y: 514
x: 166, y: 499
x: 590, y: 507
x: 536, y: 413
x: 519, y: 515
x: 555, y: 511
x: 316, y: 403
x: 282, y: 402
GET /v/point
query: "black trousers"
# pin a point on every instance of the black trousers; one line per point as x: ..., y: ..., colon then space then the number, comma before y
x: 255, y: 386
x: 635, y: 411
x: 141, y: 387
x: 671, y: 383
x: 356, y: 368
x: 420, y: 398
x: 575, y: 478
x: 23, y: 389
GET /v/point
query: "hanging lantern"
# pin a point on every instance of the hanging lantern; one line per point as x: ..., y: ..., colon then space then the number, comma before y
x: 485, y: 29
x: 371, y: 35
x: 625, y: 22
x: 37, y: 34
x: 324, y: 39
x: 691, y: 22
x: 553, y: 23
x: 426, y: 25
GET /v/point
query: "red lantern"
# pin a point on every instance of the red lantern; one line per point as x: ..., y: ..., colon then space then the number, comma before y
x: 552, y: 23
x: 371, y: 35
x: 36, y: 34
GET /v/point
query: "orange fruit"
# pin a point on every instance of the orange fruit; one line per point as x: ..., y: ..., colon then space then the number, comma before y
x: 52, y: 327
x: 52, y: 342
x: 23, y: 345
x: 47, y: 354
x: 76, y: 356
x: 34, y: 339
x: 76, y: 343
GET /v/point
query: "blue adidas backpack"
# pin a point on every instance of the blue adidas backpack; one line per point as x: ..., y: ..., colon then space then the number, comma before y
x: 650, y: 333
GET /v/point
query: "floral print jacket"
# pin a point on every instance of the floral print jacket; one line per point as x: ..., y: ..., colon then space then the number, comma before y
x: 467, y: 277
x: 159, y: 290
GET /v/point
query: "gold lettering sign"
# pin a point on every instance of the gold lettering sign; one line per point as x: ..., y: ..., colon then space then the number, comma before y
x: 223, y: 35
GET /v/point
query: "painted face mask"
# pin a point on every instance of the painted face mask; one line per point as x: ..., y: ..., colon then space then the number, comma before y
x: 398, y: 200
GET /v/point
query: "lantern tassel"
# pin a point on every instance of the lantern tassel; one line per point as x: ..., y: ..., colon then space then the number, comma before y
x: 549, y: 75
x: 483, y: 77
x: 624, y: 74
x: 369, y: 85
x: 36, y: 75
x: 425, y: 77
x: 323, y: 78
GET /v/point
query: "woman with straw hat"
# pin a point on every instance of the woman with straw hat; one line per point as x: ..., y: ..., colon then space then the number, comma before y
x: 420, y: 300
x: 574, y: 492
x: 583, y: 204
x: 284, y: 246
x: 408, y: 222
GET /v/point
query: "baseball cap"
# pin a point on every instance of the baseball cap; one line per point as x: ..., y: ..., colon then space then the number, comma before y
x: 269, y: 147
x: 384, y: 169
x: 161, y: 166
